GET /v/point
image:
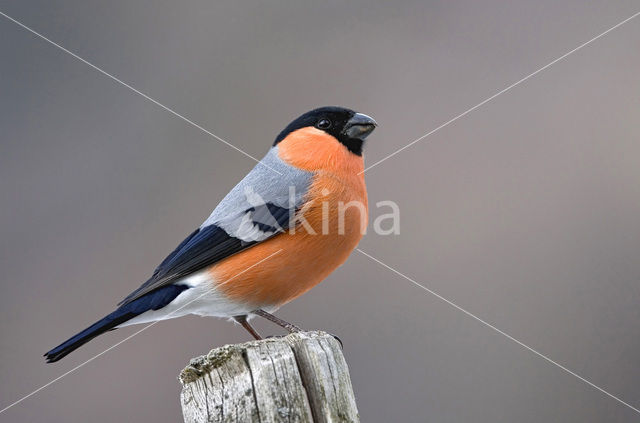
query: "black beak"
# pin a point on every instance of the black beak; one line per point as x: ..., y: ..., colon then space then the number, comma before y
x: 359, y: 126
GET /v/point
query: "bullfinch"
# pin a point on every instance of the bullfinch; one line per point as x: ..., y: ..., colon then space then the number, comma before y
x: 280, y: 231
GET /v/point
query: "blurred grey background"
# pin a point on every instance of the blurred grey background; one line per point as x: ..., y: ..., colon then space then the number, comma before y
x: 526, y: 212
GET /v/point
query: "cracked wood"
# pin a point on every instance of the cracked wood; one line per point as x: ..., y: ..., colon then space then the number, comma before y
x: 302, y: 377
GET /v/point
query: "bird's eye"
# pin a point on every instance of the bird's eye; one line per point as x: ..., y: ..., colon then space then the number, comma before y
x: 324, y: 124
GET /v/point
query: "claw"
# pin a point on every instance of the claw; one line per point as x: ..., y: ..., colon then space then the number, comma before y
x: 339, y: 340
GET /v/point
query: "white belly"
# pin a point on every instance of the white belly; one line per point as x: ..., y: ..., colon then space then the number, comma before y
x: 202, y: 299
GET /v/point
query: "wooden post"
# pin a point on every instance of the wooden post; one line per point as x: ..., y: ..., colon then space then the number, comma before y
x: 301, y: 377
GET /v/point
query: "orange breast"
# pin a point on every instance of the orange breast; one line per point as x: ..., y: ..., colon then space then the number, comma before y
x: 304, y: 259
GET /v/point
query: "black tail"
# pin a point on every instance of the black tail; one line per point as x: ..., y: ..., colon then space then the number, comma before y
x: 154, y: 300
x: 98, y: 328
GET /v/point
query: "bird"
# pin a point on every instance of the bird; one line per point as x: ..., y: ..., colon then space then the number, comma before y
x: 293, y: 219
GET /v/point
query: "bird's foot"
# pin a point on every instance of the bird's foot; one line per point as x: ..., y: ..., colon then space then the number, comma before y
x: 278, y: 321
x: 339, y: 340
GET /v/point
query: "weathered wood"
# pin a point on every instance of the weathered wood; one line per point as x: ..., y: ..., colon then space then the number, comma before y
x: 302, y: 377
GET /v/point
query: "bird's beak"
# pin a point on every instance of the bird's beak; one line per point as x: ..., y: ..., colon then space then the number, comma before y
x: 359, y: 126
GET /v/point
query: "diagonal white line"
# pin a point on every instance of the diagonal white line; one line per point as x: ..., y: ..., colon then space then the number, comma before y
x: 501, y: 332
x: 173, y: 112
x: 130, y: 336
x: 447, y: 123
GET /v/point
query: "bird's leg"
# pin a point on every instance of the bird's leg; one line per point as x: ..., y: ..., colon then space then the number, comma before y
x: 245, y: 324
x: 288, y: 326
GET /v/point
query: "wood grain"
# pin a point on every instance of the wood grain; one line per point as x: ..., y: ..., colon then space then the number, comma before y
x: 302, y: 377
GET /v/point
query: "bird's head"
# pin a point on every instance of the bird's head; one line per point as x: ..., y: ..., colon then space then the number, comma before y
x: 328, y: 136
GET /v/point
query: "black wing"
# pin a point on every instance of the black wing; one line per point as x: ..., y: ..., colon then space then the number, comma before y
x: 210, y: 244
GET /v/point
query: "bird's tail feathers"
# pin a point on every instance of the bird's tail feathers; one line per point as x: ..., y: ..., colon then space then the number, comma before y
x: 154, y: 300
